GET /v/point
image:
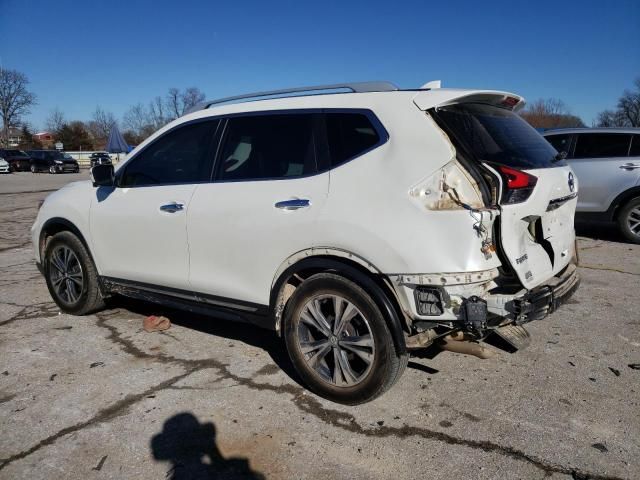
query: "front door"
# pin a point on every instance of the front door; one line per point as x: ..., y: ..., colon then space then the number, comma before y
x: 139, y: 228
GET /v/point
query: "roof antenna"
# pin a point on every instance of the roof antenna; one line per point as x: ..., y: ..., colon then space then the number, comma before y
x: 432, y: 84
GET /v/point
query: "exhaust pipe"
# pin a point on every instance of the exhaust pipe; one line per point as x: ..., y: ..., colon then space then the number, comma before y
x: 457, y: 343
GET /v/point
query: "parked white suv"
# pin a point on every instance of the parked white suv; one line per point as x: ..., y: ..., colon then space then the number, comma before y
x: 357, y: 225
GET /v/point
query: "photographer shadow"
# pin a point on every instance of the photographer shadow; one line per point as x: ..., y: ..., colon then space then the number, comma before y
x: 191, y: 448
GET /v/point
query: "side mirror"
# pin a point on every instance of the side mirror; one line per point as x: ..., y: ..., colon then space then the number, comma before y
x: 103, y: 175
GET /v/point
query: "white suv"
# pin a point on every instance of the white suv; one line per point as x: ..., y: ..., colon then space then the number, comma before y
x: 358, y: 225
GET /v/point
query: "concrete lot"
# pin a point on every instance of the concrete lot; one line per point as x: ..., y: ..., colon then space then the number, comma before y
x: 97, y: 397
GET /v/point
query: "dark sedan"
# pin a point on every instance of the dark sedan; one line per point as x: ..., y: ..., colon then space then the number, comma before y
x: 18, y: 160
x: 52, y: 161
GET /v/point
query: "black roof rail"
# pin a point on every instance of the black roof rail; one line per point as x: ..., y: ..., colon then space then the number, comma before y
x: 354, y: 87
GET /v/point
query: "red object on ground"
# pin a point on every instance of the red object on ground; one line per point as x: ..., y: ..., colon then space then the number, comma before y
x: 156, y: 324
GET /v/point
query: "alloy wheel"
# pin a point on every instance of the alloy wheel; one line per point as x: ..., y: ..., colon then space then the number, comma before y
x: 633, y: 220
x: 335, y: 340
x: 65, y: 274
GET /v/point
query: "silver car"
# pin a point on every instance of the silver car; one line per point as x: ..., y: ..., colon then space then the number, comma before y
x: 607, y: 164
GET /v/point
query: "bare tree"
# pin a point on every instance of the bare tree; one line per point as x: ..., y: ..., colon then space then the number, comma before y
x: 191, y: 97
x: 627, y: 113
x: 174, y: 103
x: 157, y: 116
x: 550, y: 113
x: 135, y: 118
x: 15, y: 99
x: 178, y: 103
x: 100, y: 124
x: 140, y: 121
x: 55, y: 121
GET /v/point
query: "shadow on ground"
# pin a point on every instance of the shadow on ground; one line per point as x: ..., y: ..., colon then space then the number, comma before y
x: 191, y: 449
x: 244, y: 332
x: 600, y: 231
x: 266, y: 340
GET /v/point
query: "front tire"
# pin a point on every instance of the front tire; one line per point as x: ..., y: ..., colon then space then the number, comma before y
x: 629, y: 220
x: 33, y: 169
x: 339, y: 341
x: 71, y: 276
x: 52, y: 169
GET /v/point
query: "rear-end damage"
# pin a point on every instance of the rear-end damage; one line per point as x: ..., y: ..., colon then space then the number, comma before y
x: 522, y: 200
x: 480, y: 317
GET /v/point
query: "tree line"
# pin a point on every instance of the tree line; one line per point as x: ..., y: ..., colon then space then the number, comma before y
x: 138, y: 122
x: 142, y: 119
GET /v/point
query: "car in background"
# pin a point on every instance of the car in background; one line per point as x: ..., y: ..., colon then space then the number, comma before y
x: 17, y: 159
x: 52, y: 161
x: 4, y: 166
x: 606, y: 162
x: 99, y: 158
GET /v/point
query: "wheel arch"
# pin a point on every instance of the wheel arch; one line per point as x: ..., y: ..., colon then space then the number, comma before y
x: 621, y: 200
x: 366, y: 275
x: 56, y: 225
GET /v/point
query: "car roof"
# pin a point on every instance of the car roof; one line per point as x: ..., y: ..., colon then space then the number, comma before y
x: 376, y: 99
x: 556, y: 131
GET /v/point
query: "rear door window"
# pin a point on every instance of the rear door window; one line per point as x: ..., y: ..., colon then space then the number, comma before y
x: 497, y: 135
x: 635, y: 146
x: 349, y: 135
x: 271, y: 146
x: 561, y: 143
x: 599, y: 145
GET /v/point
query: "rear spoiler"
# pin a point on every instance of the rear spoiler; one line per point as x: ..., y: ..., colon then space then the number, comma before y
x: 440, y: 97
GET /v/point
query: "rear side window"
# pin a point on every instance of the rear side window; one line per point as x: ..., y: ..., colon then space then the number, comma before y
x: 560, y: 142
x: 180, y: 156
x: 597, y: 145
x: 498, y: 135
x: 635, y: 146
x: 268, y: 147
x: 349, y: 135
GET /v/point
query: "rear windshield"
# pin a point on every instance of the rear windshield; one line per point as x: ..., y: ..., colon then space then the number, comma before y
x: 497, y: 135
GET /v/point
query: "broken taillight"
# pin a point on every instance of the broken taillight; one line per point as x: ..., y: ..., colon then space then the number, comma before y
x: 517, y: 185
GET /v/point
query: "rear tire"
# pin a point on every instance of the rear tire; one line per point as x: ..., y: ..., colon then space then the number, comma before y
x: 629, y: 220
x: 71, y: 276
x: 33, y: 169
x: 351, y: 361
x: 52, y: 169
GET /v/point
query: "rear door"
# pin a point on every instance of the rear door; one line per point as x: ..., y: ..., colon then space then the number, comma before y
x: 601, y: 163
x: 260, y: 209
x: 538, y: 190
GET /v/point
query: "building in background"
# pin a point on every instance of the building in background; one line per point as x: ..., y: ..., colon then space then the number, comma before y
x: 45, y: 138
x: 14, y: 138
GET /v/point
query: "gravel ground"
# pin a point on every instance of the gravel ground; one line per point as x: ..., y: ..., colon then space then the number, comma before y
x: 97, y: 397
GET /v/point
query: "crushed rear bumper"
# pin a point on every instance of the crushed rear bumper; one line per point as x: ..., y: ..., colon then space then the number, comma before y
x: 528, y: 305
x: 541, y: 301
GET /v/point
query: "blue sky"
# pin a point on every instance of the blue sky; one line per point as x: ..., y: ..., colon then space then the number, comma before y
x: 79, y: 54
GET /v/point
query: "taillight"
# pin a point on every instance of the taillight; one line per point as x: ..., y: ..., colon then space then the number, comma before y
x: 518, y: 185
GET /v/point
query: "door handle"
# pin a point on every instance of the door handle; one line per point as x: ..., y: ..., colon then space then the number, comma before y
x: 172, y: 207
x: 629, y: 166
x: 294, y: 204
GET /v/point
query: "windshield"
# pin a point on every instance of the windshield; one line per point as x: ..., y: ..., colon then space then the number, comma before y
x: 58, y: 155
x: 497, y: 135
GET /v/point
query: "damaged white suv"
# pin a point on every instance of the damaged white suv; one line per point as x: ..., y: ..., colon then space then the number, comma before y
x: 358, y: 221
